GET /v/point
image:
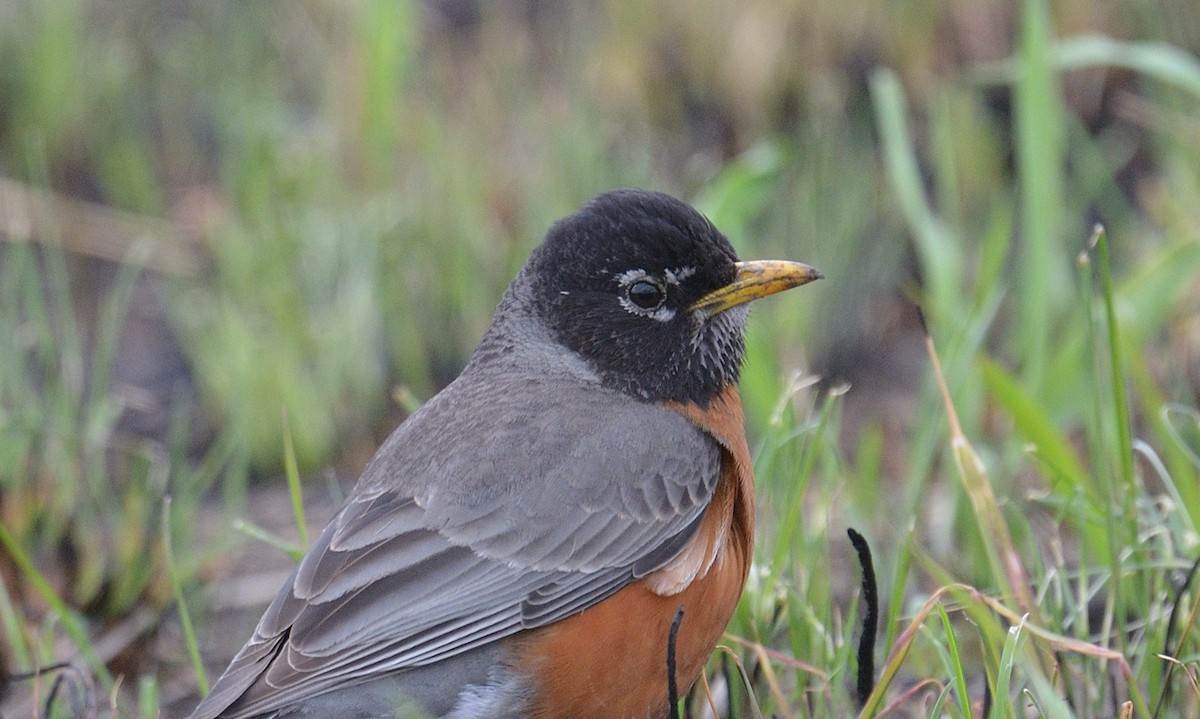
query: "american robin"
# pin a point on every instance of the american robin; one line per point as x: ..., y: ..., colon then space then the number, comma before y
x: 519, y: 546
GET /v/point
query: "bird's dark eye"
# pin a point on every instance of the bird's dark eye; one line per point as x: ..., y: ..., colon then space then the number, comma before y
x: 646, y: 294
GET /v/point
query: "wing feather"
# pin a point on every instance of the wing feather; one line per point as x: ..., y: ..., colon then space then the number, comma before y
x: 540, y: 521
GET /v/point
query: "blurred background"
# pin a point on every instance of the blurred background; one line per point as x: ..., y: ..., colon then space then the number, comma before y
x: 237, y: 233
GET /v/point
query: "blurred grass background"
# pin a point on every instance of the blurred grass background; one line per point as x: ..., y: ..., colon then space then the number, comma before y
x: 216, y: 214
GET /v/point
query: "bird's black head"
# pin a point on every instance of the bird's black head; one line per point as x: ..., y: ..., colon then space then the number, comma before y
x: 649, y: 293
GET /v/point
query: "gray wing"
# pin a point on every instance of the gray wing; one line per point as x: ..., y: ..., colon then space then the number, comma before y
x: 542, y: 518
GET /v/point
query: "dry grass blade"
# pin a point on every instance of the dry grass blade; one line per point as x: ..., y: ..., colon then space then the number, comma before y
x: 775, y: 655
x: 96, y: 230
x: 1056, y: 642
x: 1006, y: 562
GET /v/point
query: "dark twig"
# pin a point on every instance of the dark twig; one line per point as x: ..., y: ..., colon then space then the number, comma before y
x: 75, y: 680
x: 672, y: 690
x: 866, y: 644
x: 1169, y: 639
x: 26, y: 676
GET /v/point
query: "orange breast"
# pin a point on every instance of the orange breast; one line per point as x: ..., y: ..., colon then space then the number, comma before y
x: 610, y: 660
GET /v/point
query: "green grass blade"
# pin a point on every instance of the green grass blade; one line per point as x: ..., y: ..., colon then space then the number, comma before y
x: 18, y: 646
x: 895, y: 605
x: 70, y: 621
x: 185, y: 617
x: 293, y: 550
x: 1183, y: 426
x: 293, y: 480
x: 1002, y: 707
x: 1116, y: 368
x: 935, y: 710
x: 1040, y: 160
x: 1047, y: 699
x: 1159, y: 60
x: 149, y: 697
x: 960, y: 678
x: 940, y: 252
x: 1036, y: 426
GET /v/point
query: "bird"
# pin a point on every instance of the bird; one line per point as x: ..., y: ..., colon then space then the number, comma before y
x: 519, y: 546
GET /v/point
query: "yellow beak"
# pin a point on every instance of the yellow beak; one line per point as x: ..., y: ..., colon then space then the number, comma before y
x: 755, y: 280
